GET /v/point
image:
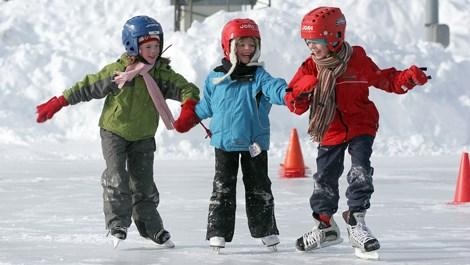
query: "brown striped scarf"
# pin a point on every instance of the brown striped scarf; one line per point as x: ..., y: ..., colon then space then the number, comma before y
x: 323, y: 106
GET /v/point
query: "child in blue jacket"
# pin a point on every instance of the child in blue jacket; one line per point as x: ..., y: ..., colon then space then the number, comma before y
x: 237, y: 97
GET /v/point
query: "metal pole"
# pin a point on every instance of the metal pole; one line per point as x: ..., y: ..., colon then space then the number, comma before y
x: 177, y: 15
x: 431, y: 17
x: 190, y: 2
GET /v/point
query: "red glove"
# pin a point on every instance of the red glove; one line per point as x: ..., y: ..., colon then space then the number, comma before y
x: 413, y: 76
x: 298, y: 98
x: 188, y: 118
x: 46, y: 110
x: 304, y: 86
x: 299, y: 105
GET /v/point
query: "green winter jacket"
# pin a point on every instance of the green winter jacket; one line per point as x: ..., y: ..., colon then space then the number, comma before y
x: 129, y: 112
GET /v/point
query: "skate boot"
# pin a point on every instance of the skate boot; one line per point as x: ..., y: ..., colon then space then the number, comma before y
x: 216, y: 243
x: 271, y: 242
x: 119, y: 233
x: 163, y: 238
x: 364, y: 243
x: 325, y: 233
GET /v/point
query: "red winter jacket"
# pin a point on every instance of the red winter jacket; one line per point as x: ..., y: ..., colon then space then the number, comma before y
x: 355, y: 113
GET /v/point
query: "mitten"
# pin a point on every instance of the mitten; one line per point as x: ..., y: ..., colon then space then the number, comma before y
x: 299, y: 105
x: 188, y: 117
x: 46, y: 110
x: 304, y: 86
x: 413, y: 76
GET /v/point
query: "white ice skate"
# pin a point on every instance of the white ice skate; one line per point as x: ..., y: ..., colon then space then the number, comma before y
x: 364, y: 243
x: 271, y: 242
x: 322, y: 235
x: 216, y: 243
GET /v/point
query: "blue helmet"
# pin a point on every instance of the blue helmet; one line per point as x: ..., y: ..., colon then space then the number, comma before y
x: 137, y: 27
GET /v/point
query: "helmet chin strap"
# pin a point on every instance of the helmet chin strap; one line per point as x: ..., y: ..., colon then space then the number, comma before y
x: 254, y: 59
x: 233, y: 61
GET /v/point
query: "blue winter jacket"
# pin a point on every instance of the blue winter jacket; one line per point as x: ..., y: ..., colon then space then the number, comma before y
x: 240, y: 109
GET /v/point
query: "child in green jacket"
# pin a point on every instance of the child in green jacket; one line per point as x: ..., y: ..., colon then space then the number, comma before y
x: 135, y: 87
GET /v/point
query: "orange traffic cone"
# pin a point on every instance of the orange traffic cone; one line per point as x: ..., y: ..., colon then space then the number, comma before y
x: 293, y: 166
x: 462, y: 191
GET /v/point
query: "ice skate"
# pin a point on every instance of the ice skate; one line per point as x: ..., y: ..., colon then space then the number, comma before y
x: 163, y: 238
x: 271, y: 242
x: 118, y: 234
x: 216, y: 243
x: 324, y: 233
x: 364, y: 243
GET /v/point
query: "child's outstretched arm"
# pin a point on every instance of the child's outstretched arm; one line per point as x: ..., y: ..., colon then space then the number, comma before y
x: 391, y: 79
x: 93, y: 86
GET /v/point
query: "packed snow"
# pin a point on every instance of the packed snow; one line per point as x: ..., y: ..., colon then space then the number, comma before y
x: 51, y: 211
x: 48, y: 45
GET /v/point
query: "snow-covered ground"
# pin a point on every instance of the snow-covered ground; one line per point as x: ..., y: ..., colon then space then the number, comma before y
x: 51, y: 214
x: 48, y: 45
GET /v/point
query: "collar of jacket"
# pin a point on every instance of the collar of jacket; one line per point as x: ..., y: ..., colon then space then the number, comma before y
x: 241, y: 72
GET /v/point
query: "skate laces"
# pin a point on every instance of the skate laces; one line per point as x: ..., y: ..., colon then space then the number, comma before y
x: 361, y: 233
x: 313, y: 238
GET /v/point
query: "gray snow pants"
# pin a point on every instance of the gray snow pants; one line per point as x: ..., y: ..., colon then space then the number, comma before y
x: 128, y: 186
x: 258, y: 195
x: 330, y: 166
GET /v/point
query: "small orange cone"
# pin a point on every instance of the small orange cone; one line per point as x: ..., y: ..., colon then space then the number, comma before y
x: 293, y: 166
x: 462, y: 191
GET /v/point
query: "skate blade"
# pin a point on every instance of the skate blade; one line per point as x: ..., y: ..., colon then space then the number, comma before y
x: 169, y: 244
x: 273, y: 248
x: 216, y: 250
x: 116, y: 242
x: 370, y: 255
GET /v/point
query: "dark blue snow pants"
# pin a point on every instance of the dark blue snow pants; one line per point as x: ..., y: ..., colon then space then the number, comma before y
x: 330, y: 166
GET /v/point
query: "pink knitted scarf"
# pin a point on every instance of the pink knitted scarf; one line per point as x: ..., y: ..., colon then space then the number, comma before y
x: 154, y: 91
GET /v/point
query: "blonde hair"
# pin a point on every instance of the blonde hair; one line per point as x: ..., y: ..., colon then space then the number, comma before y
x: 239, y: 40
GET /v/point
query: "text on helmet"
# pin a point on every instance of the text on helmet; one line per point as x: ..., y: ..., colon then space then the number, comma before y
x: 247, y: 26
x: 307, y: 27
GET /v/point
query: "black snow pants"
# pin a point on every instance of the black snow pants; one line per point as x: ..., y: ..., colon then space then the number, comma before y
x: 330, y: 166
x: 128, y: 185
x: 258, y: 195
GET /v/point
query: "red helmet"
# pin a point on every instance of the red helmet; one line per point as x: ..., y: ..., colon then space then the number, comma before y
x: 326, y: 23
x: 237, y: 28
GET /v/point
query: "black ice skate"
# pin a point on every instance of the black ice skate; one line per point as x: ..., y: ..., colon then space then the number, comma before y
x: 119, y: 233
x: 163, y: 238
x: 364, y: 243
x: 323, y: 234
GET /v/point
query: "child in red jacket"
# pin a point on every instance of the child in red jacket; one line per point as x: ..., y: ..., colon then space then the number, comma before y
x: 341, y: 118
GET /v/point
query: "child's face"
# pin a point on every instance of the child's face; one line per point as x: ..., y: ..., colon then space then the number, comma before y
x: 150, y: 51
x: 245, y: 49
x: 319, y: 51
